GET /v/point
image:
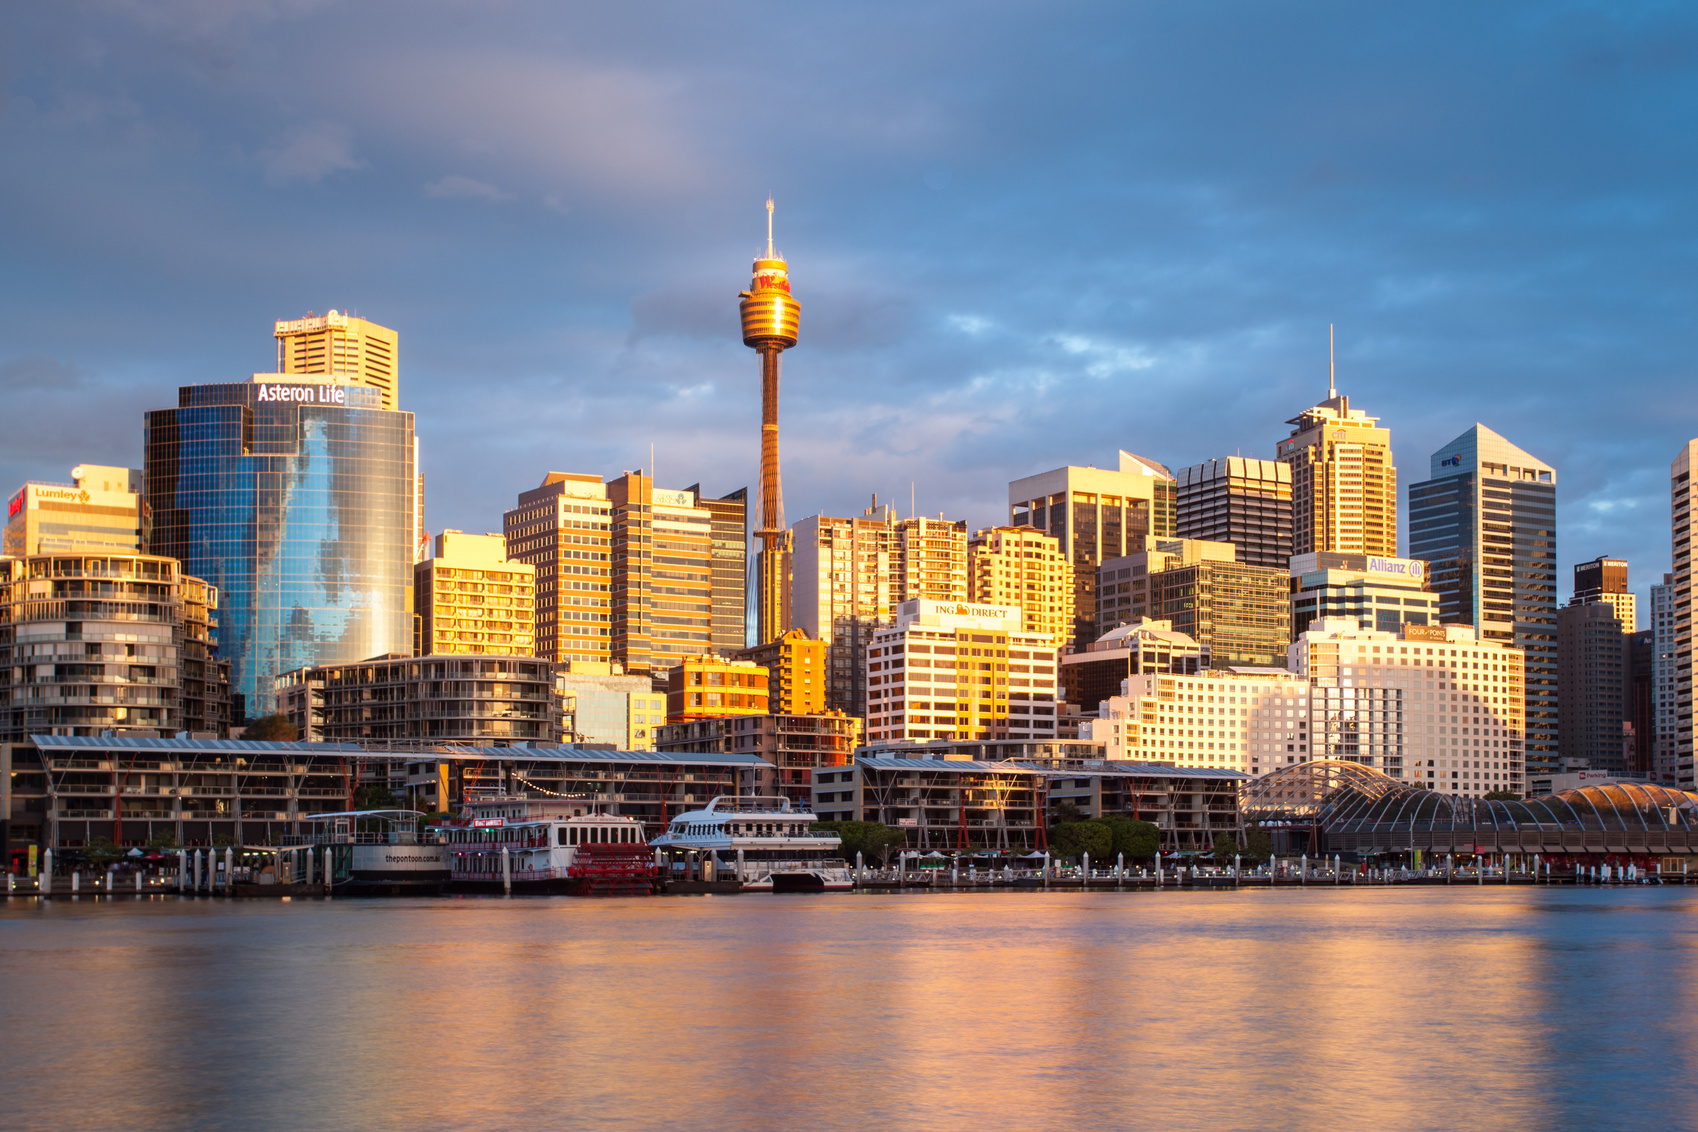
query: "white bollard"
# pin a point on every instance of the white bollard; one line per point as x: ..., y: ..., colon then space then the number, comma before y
x: 1085, y: 872
x: 329, y: 870
x: 196, y: 877
x: 860, y: 869
x: 229, y: 869
x: 138, y: 882
x: 740, y: 874
x: 1119, y: 867
x: 309, y: 866
x: 1236, y: 858
x: 44, y: 879
x: 506, y: 872
x: 76, y: 879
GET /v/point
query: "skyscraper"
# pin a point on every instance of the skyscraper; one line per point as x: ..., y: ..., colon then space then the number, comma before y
x: 1605, y: 580
x: 472, y: 600
x: 1683, y: 506
x: 841, y: 582
x: 730, y: 567
x: 295, y: 497
x: 770, y: 321
x: 1238, y: 613
x: 340, y: 345
x: 1663, y: 760
x: 929, y: 559
x: 1592, y: 684
x: 662, y: 575
x: 1343, y: 482
x: 1241, y: 501
x: 1486, y: 525
x: 563, y: 528
x: 1095, y: 514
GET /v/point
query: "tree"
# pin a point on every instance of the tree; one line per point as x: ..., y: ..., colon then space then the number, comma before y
x: 375, y: 796
x: 1226, y: 847
x: 1095, y: 837
x: 275, y: 728
x: 871, y: 839
x: 163, y: 842
x: 1502, y: 796
x: 1067, y: 812
x: 100, y: 850
x: 1136, y: 840
x: 1258, y: 846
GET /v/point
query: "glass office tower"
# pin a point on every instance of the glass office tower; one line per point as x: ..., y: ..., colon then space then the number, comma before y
x: 1486, y: 525
x: 294, y: 496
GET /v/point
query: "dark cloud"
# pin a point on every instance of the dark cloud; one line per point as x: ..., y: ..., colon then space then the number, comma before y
x: 1022, y: 235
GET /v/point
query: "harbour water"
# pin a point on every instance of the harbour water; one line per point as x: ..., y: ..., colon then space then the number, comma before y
x: 1493, y: 1008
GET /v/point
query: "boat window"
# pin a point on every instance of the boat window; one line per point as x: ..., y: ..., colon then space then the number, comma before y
x: 562, y: 835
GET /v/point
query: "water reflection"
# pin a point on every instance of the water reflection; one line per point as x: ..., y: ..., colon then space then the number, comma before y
x: 1413, y: 1009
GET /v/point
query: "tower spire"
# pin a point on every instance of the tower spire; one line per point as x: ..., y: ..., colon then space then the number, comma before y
x: 769, y: 254
x: 1332, y: 365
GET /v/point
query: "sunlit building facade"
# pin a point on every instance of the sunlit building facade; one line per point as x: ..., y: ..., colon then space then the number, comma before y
x: 1023, y: 566
x: 563, y: 530
x: 296, y: 498
x: 341, y: 345
x: 1343, y: 481
x: 100, y: 511
x: 1240, y: 500
x: 472, y: 600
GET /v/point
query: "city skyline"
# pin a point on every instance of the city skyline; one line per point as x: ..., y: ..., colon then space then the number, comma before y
x: 973, y: 280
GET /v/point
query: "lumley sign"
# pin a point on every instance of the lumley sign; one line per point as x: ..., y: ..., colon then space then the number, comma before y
x: 309, y: 394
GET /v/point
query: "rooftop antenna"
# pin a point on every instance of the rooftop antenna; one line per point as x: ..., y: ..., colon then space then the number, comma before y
x: 912, y: 512
x: 1332, y: 365
x: 769, y: 254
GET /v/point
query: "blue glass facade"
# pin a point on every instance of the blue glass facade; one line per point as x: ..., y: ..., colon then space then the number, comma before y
x: 296, y: 499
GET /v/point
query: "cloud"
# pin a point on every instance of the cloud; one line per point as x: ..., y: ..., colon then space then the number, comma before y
x: 456, y: 187
x: 309, y: 154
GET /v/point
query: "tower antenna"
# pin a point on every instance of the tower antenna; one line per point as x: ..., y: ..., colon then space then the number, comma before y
x: 1332, y: 365
x: 770, y: 317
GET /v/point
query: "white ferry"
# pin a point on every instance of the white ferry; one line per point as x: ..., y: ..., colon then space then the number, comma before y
x: 552, y: 846
x: 761, y: 842
x: 370, y: 853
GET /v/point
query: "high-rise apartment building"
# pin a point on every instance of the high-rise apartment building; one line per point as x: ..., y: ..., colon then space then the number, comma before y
x: 296, y: 497
x: 797, y: 667
x: 712, y: 687
x: 100, y: 510
x: 848, y: 575
x: 841, y: 593
x: 1022, y: 566
x: 1343, y: 481
x: 481, y: 699
x: 108, y: 642
x: 1592, y: 685
x: 1437, y: 706
x: 1242, y: 501
x: 1485, y: 523
x: 1664, y: 762
x: 563, y: 529
x: 1683, y: 507
x: 929, y: 559
x: 946, y: 670
x: 1642, y: 701
x: 730, y: 584
x: 471, y: 599
x: 340, y: 345
x: 1605, y: 580
x: 1096, y: 514
x: 1382, y: 594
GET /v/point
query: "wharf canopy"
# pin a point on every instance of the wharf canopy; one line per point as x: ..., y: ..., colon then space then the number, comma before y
x: 1331, y: 806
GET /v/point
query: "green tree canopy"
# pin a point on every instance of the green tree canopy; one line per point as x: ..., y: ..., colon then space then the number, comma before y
x: 873, y: 840
x: 101, y: 850
x: 1137, y: 840
x: 1502, y: 796
x: 1258, y: 846
x: 375, y: 796
x: 163, y: 841
x: 275, y: 728
x: 1072, y: 838
x: 1226, y: 847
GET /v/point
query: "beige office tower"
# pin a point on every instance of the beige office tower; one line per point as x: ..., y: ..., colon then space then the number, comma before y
x: 662, y: 575
x: 1683, y: 507
x: 100, y: 510
x: 471, y: 599
x: 1022, y: 566
x: 564, y: 529
x: 1343, y: 484
x: 1096, y: 514
x: 340, y: 344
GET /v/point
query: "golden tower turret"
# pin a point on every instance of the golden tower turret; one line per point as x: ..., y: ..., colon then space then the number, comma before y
x: 770, y: 319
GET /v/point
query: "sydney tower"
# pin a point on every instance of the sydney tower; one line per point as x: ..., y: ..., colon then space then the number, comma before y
x: 770, y: 318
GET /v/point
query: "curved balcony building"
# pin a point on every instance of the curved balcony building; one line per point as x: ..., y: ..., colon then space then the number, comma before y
x: 109, y: 642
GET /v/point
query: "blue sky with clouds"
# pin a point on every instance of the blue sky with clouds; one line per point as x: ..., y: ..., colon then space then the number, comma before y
x: 1023, y: 235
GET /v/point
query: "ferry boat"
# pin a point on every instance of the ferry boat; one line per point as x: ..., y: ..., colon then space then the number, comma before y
x: 371, y: 853
x: 559, y: 846
x: 763, y: 843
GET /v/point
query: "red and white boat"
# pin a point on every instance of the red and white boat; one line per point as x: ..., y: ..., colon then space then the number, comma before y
x: 546, y: 846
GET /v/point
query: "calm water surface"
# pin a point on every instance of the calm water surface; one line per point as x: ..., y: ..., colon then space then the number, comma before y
x: 1494, y: 1009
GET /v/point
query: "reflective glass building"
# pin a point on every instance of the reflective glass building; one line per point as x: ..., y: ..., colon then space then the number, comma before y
x: 294, y: 495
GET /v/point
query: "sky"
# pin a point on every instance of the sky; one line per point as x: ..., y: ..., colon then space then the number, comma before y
x: 1022, y: 235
